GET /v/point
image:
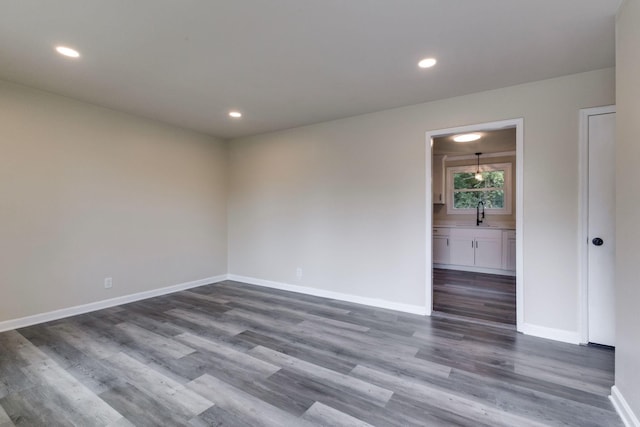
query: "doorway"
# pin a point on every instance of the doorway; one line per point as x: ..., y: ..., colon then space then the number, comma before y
x: 474, y: 222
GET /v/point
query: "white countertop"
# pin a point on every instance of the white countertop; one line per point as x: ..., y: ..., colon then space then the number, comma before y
x: 491, y: 225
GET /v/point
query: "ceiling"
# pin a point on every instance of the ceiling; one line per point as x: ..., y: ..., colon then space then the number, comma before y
x: 494, y: 141
x: 287, y: 63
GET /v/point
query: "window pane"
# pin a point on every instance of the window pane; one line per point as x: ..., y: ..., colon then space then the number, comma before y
x: 493, y: 199
x: 494, y: 179
x: 466, y: 199
x: 466, y: 180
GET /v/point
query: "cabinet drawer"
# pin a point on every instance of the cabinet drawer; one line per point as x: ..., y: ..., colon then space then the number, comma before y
x: 438, y: 231
x: 487, y: 234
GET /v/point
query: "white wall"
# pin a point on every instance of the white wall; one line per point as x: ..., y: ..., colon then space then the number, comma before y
x: 345, y: 200
x: 628, y: 204
x: 87, y: 192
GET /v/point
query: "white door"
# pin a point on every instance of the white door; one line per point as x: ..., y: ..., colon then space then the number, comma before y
x: 601, y: 229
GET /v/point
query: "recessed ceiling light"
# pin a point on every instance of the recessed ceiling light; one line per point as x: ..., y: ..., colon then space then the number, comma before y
x: 427, y: 63
x: 467, y: 137
x: 235, y: 114
x: 67, y: 51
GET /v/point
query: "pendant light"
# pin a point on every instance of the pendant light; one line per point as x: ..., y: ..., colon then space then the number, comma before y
x: 478, y: 174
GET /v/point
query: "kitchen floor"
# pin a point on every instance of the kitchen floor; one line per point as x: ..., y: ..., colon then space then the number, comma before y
x: 488, y: 297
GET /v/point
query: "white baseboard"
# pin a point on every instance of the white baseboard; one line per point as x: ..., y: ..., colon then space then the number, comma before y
x: 571, y: 337
x: 622, y: 407
x: 99, y: 305
x: 373, y: 302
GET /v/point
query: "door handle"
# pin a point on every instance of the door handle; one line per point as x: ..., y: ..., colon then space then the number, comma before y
x: 597, y: 241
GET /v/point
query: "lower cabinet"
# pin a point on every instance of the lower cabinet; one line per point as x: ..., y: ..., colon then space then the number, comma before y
x: 489, y: 250
x: 441, y: 250
x: 509, y: 250
x: 462, y: 250
x: 474, y: 248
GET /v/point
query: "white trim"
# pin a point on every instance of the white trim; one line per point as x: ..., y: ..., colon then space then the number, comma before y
x: 519, y: 223
x: 22, y: 322
x: 622, y: 407
x: 571, y: 337
x: 475, y: 269
x: 428, y: 297
x: 373, y: 302
x: 451, y: 158
x: 519, y: 125
x: 583, y: 220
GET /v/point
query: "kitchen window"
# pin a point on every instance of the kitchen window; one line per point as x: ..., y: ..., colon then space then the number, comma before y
x: 464, y: 191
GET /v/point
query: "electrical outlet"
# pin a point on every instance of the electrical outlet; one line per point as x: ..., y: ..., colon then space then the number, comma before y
x: 299, y: 273
x: 108, y: 282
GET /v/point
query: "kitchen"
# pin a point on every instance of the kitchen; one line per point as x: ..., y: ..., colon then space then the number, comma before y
x: 474, y: 225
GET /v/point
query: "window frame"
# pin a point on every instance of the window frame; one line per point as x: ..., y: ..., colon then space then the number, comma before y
x: 489, y: 167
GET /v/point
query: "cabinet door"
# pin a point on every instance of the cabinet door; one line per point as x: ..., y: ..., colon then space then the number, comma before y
x: 438, y: 180
x: 488, y: 252
x: 511, y: 254
x: 509, y: 250
x: 461, y: 250
x: 441, y: 249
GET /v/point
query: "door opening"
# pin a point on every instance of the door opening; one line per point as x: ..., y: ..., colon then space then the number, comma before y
x: 474, y: 226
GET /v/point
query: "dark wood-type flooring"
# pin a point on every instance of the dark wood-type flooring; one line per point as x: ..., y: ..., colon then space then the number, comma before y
x: 234, y: 354
x: 481, y: 296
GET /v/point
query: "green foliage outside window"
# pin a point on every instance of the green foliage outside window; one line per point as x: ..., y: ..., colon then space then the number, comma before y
x: 468, y: 191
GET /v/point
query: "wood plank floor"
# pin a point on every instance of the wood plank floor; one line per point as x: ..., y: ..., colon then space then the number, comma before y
x: 481, y: 296
x: 235, y: 354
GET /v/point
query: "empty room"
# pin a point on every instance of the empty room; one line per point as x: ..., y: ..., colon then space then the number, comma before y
x: 289, y: 213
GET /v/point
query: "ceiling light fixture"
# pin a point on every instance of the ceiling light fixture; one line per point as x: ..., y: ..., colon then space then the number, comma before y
x: 235, y: 114
x: 67, y: 51
x: 478, y: 175
x: 427, y: 63
x: 467, y: 137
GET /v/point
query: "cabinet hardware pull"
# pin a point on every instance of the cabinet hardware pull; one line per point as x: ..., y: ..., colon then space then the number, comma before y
x: 476, y: 244
x: 447, y: 242
x: 472, y: 243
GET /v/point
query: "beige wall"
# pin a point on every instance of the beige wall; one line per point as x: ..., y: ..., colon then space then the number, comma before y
x: 87, y: 192
x: 628, y: 203
x: 440, y: 211
x: 345, y: 200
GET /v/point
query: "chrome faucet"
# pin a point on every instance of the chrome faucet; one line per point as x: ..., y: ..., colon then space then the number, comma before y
x: 478, y: 220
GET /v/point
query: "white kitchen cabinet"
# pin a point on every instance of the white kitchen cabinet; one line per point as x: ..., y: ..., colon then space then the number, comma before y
x: 476, y: 247
x: 438, y: 179
x: 489, y: 250
x: 509, y: 250
x: 441, y: 245
x: 462, y: 248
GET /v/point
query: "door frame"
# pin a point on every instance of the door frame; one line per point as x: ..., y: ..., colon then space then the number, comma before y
x: 518, y: 124
x: 583, y: 217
